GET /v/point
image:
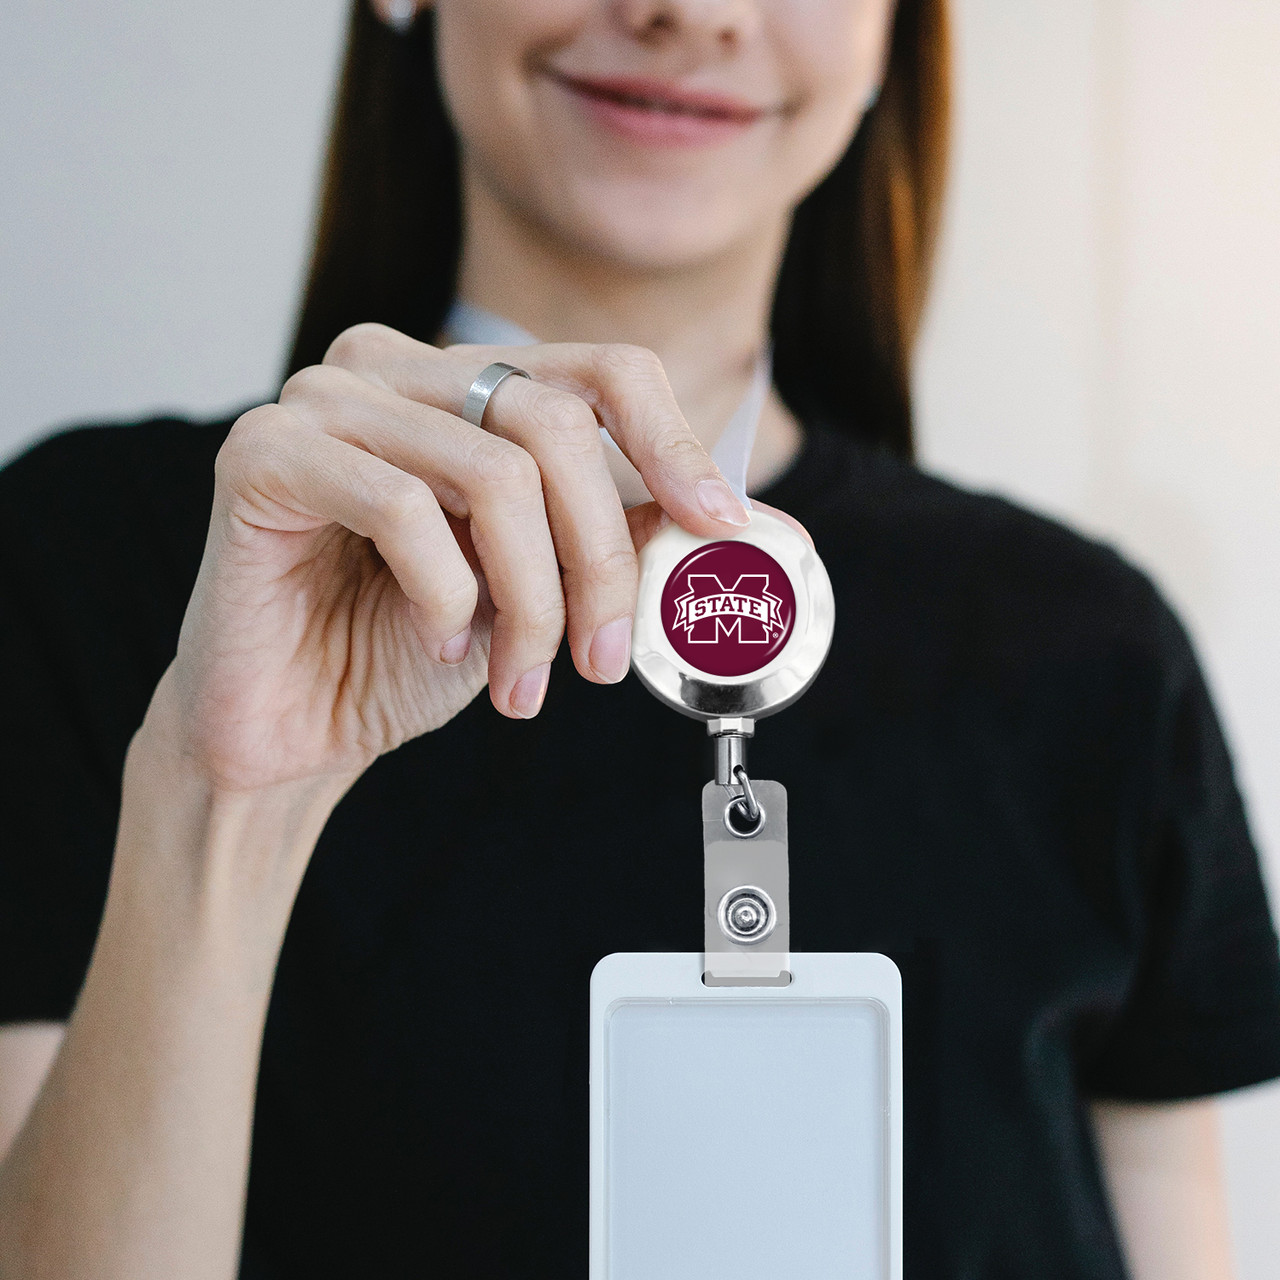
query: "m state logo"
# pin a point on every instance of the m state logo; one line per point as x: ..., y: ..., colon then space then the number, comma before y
x: 728, y: 608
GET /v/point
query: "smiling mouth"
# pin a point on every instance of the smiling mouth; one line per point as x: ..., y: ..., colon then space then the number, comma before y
x: 652, y: 104
x: 658, y: 106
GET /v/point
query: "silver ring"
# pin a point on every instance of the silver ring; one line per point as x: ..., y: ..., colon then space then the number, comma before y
x: 484, y: 386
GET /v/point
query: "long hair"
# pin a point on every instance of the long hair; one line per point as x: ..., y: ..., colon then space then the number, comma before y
x: 852, y: 284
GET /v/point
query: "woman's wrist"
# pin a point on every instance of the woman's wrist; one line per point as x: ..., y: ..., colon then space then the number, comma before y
x: 234, y: 856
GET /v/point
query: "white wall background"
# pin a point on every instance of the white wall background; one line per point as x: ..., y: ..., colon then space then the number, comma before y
x: 1104, y: 343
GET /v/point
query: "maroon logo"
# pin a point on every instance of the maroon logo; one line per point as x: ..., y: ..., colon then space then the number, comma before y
x: 728, y: 608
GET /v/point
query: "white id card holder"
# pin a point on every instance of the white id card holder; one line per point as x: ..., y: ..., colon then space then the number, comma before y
x: 745, y: 1133
x: 746, y: 1100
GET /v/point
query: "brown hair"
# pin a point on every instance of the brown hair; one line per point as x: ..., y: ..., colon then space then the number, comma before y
x: 853, y: 280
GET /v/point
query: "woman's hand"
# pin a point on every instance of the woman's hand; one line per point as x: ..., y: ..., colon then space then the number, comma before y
x: 360, y: 528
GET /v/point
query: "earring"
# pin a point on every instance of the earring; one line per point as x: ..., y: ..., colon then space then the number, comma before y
x: 400, y: 15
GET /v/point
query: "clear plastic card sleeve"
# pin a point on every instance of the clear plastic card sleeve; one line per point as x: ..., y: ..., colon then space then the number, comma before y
x: 746, y: 1132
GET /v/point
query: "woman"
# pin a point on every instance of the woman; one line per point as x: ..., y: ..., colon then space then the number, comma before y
x: 274, y: 631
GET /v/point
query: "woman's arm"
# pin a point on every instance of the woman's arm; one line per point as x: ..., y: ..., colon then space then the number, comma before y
x: 1162, y: 1164
x: 133, y: 1160
x: 373, y: 562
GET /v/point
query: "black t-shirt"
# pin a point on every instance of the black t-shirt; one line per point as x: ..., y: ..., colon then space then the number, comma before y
x: 1008, y: 777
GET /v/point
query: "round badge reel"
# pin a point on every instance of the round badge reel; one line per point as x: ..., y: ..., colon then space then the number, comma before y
x: 731, y: 629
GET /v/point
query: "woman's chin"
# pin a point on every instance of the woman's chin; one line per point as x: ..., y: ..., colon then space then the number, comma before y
x: 645, y: 236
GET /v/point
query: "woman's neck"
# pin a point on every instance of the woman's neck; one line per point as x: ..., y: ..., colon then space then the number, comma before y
x: 707, y: 322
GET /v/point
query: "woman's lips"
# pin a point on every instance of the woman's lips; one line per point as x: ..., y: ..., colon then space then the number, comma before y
x: 659, y: 123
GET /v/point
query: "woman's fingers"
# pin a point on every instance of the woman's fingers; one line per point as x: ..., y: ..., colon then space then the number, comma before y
x: 279, y: 473
x: 560, y: 430
x: 627, y: 389
x: 560, y: 442
x: 587, y: 522
x: 625, y: 386
x: 476, y: 475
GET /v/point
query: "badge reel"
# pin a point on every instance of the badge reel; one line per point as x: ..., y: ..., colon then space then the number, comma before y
x: 746, y: 1105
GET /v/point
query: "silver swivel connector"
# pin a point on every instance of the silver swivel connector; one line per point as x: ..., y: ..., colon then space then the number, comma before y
x: 730, y: 734
x: 743, y: 816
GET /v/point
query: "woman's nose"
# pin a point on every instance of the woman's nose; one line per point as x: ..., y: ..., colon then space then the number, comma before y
x: 722, y: 25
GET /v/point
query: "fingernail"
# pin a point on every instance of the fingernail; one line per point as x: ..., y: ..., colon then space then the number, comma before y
x: 530, y: 689
x: 611, y: 650
x: 718, y: 501
x: 453, y: 651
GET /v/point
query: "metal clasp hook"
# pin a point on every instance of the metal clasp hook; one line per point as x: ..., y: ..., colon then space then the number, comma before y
x: 748, y: 796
